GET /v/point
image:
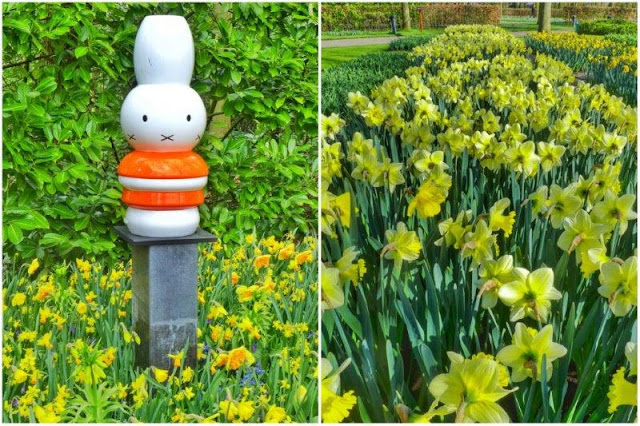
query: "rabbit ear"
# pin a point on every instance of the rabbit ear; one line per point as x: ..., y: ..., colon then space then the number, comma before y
x: 163, y: 51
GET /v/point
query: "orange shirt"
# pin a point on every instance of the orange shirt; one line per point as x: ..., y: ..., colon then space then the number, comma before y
x: 163, y: 165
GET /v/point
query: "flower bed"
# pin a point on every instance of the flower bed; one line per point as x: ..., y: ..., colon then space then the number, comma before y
x: 479, y: 241
x: 612, y: 63
x: 68, y: 348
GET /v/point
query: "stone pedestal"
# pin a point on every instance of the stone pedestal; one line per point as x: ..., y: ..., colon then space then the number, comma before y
x: 165, y: 296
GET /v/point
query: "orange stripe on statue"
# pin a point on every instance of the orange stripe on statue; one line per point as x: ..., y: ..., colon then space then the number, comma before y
x: 163, y: 165
x: 162, y: 200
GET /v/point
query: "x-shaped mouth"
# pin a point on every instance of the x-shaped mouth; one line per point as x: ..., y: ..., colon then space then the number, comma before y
x: 164, y: 138
x: 198, y: 137
x: 132, y: 137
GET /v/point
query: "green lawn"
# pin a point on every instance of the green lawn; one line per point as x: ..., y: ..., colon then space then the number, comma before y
x: 332, y: 56
x: 518, y: 24
x: 373, y: 34
x: 509, y: 23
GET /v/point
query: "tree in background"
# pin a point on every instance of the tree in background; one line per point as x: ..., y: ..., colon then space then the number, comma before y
x: 68, y: 66
x: 406, y: 16
x: 544, y: 17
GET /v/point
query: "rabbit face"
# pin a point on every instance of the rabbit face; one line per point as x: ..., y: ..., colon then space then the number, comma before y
x: 163, y: 118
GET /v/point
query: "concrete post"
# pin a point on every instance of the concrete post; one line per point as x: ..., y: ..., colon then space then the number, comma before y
x: 165, y: 296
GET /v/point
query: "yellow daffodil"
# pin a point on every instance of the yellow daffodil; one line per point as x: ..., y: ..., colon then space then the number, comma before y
x: 479, y: 244
x: 621, y: 392
x: 403, y: 245
x: 619, y: 284
x: 525, y: 354
x: 428, y: 200
x: 335, y: 407
x: 494, y: 274
x: 498, y: 220
x: 331, y: 287
x: 472, y: 388
x: 615, y: 210
x: 530, y: 294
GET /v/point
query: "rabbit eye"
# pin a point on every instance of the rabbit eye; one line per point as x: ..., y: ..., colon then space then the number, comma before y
x: 189, y: 117
x: 144, y: 118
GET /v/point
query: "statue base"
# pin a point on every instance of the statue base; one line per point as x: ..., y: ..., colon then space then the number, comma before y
x: 165, y: 296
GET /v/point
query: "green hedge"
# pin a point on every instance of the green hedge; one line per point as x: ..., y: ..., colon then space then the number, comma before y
x: 361, y: 74
x: 408, y: 43
x: 627, y: 39
x: 66, y: 70
x: 607, y: 26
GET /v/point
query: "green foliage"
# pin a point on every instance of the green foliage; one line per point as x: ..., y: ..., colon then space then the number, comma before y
x: 67, y: 69
x: 361, y: 74
x: 408, y: 43
x: 607, y: 26
x: 630, y: 40
x: 260, y: 183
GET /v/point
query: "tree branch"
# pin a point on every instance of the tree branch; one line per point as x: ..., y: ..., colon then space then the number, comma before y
x: 27, y: 61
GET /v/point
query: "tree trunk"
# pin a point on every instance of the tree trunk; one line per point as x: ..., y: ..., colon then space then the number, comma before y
x: 544, y: 17
x: 406, y: 17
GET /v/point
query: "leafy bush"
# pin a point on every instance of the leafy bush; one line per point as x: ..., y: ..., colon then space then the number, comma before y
x: 607, y: 26
x: 67, y: 69
x: 480, y: 237
x: 440, y: 15
x: 363, y: 16
x: 408, y: 43
x: 630, y: 40
x: 71, y: 353
x: 361, y: 74
x: 584, y: 12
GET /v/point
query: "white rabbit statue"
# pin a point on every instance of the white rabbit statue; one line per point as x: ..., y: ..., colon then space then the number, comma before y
x: 163, y: 119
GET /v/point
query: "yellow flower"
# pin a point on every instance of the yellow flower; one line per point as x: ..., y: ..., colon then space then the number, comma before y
x: 245, y: 410
x: 472, y: 388
x: 18, y: 299
x: 335, y: 407
x: 619, y: 284
x: 46, y: 414
x: 621, y: 392
x: 33, y: 267
x: 530, y: 294
x: 403, y: 245
x: 526, y: 353
x: 19, y: 376
x: 276, y: 415
x: 245, y: 293
x: 160, y: 375
x: 45, y: 341
x: 331, y: 287
x: 428, y: 200
x: 499, y: 221
x: 177, y: 359
x: 81, y: 308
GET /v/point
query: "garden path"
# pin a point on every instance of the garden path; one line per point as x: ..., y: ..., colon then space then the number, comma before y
x: 346, y: 42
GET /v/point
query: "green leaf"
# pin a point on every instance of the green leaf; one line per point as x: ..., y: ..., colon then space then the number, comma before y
x: 80, y: 51
x: 14, y: 233
x: 47, y: 85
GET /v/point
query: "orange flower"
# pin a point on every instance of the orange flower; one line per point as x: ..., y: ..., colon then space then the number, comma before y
x: 234, y: 278
x: 262, y: 261
x: 286, y: 252
x: 304, y: 257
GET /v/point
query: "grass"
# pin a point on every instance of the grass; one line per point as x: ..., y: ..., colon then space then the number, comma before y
x: 373, y: 34
x: 332, y: 56
x: 518, y: 24
x: 513, y: 24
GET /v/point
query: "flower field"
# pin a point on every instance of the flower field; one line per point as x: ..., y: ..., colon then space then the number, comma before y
x: 68, y: 349
x: 479, y: 242
x: 612, y: 63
